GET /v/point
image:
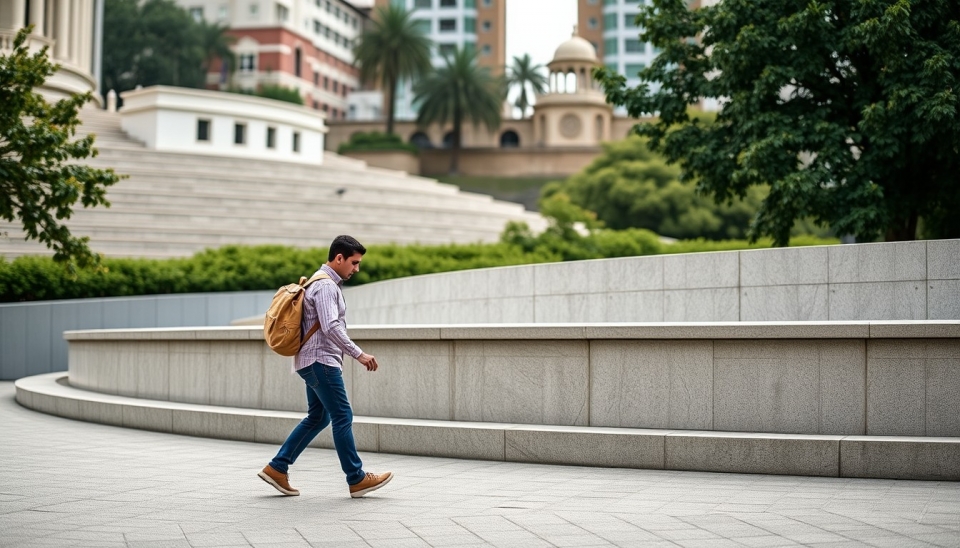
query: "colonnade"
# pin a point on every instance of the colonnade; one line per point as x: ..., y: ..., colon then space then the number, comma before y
x: 571, y: 80
x: 69, y: 26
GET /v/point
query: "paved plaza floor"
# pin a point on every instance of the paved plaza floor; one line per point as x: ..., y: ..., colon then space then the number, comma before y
x: 69, y: 483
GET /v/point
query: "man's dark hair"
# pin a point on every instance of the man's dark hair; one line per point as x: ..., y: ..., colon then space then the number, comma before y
x: 346, y: 246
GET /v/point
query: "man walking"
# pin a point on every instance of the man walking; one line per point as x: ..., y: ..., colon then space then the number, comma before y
x: 320, y: 364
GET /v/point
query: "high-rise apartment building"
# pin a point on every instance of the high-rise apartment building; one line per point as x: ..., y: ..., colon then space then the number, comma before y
x: 301, y: 44
x: 610, y: 26
x: 479, y: 25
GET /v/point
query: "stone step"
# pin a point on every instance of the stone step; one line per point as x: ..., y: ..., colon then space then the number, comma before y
x: 922, y: 458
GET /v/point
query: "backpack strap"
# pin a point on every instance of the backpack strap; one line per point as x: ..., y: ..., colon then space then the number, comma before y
x: 316, y: 326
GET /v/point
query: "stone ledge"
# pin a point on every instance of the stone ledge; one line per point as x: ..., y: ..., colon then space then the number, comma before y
x: 579, y: 331
x: 751, y: 453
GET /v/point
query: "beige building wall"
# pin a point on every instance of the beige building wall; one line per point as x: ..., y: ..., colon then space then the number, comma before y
x: 496, y: 37
x: 590, y: 23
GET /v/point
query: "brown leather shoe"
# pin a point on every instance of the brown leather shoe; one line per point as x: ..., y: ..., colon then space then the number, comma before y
x: 279, y: 481
x: 370, y: 483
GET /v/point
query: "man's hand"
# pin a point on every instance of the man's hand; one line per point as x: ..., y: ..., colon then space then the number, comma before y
x: 368, y: 361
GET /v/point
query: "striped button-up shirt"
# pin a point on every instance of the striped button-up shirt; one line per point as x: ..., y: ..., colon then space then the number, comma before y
x: 324, y: 302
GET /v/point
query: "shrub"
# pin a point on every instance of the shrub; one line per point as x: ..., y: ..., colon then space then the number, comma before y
x: 240, y: 268
x: 374, y: 141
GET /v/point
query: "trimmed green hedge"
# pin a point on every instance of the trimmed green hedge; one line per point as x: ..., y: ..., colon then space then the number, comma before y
x: 376, y: 141
x: 238, y: 268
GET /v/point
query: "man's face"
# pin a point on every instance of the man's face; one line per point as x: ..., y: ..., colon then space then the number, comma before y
x: 345, y: 268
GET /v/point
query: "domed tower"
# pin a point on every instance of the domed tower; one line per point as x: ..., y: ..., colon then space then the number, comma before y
x: 574, y: 111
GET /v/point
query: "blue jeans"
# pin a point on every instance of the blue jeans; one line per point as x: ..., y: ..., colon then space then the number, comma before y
x: 326, y: 402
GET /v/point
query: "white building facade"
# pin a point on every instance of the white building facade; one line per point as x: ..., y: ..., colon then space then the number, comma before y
x: 71, y: 29
x: 622, y: 49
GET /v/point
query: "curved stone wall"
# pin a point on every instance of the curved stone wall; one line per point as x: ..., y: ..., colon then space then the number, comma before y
x: 830, y: 378
x: 860, y: 282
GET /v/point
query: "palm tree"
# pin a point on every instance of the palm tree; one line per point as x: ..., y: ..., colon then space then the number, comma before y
x: 391, y: 49
x: 522, y: 73
x: 216, y: 43
x: 461, y: 89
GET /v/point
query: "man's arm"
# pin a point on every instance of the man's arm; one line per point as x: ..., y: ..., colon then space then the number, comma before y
x: 328, y: 315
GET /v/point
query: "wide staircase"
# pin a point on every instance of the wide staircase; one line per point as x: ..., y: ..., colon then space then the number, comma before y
x: 176, y: 204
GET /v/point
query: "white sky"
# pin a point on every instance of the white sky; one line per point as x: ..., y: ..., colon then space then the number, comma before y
x: 537, y: 27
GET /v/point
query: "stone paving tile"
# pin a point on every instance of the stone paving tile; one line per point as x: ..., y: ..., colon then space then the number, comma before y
x: 81, y: 484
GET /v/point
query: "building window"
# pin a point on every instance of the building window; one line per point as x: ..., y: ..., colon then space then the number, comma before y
x: 203, y: 130
x: 248, y: 62
x: 634, y: 46
x: 422, y: 3
x: 239, y: 134
x: 486, y: 50
x: 610, y: 46
x: 298, y: 62
x: 296, y: 141
x: 447, y: 49
x: 629, y: 20
x: 448, y: 3
x: 333, y: 113
x: 420, y: 140
x: 317, y: 27
x: 283, y: 13
x: 470, y: 4
x: 592, y: 2
x: 487, y: 3
x: 336, y: 86
x: 336, y: 12
x: 632, y: 69
x: 448, y: 25
x: 316, y: 78
x: 316, y: 105
x: 254, y: 10
x: 224, y: 13
x: 509, y: 139
x: 325, y: 108
x: 592, y: 23
x: 271, y: 137
x: 487, y: 25
x: 470, y: 25
x: 424, y: 26
x: 470, y: 48
x: 196, y: 14
x: 326, y: 83
x: 609, y: 2
x: 610, y: 21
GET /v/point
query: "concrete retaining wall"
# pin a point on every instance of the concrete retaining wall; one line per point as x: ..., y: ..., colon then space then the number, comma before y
x: 886, y: 281
x: 31, y: 334
x: 845, y: 378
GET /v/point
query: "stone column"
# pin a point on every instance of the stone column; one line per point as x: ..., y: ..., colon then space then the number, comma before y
x: 85, y: 39
x: 36, y: 16
x: 62, y: 34
x: 76, y: 16
x: 19, y: 14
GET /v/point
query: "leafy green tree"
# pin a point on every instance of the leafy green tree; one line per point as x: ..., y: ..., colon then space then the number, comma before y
x: 628, y: 186
x: 391, y: 49
x: 216, y: 44
x: 459, y: 90
x: 156, y: 42
x: 525, y: 75
x: 847, y: 109
x: 122, y: 44
x: 40, y: 180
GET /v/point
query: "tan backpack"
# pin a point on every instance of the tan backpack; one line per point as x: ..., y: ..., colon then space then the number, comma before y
x: 281, y: 325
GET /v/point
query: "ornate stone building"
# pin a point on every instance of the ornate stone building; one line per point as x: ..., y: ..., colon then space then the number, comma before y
x: 72, y: 29
x: 562, y: 136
